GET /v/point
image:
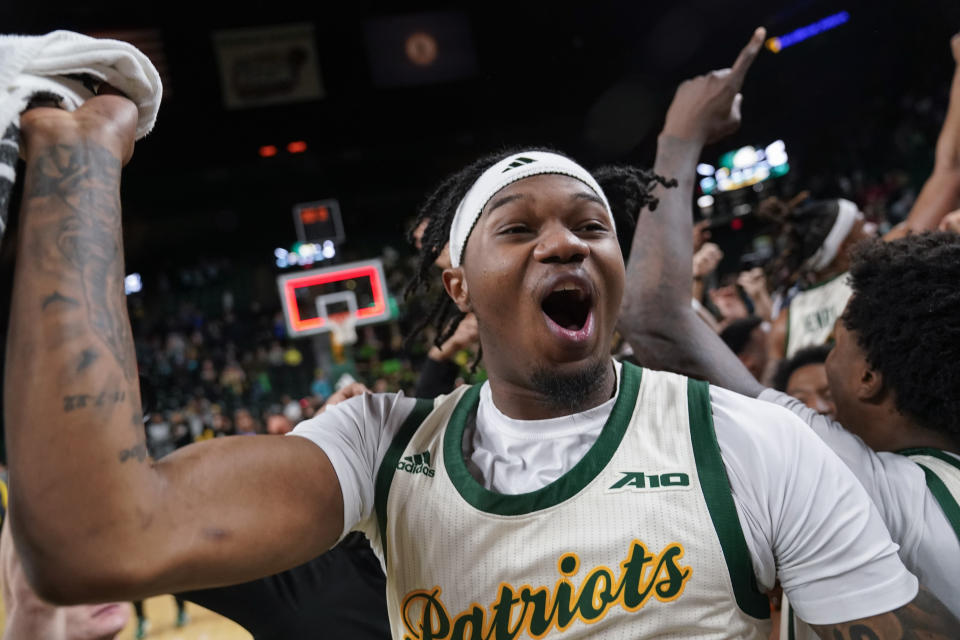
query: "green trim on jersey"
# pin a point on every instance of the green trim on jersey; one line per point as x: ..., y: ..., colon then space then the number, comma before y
x: 933, y: 453
x: 723, y: 512
x: 939, y: 490
x: 561, y: 489
x: 389, y: 464
x: 791, y: 624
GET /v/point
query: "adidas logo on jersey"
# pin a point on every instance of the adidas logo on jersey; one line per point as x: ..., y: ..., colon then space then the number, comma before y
x: 419, y: 463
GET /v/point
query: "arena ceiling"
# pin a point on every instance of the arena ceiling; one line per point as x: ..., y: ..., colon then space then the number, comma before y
x: 593, y: 79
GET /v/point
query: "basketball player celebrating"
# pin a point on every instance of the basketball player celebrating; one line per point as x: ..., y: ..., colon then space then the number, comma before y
x: 568, y: 496
x: 818, y: 235
x: 892, y: 374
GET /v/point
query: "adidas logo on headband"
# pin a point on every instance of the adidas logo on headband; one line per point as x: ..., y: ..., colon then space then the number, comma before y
x: 519, y: 162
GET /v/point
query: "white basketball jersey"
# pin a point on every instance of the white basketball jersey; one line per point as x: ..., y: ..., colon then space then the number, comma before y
x: 792, y: 627
x: 943, y: 478
x: 813, y: 312
x: 943, y: 481
x: 639, y: 539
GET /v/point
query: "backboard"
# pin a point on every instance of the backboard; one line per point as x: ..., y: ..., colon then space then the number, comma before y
x: 355, y: 288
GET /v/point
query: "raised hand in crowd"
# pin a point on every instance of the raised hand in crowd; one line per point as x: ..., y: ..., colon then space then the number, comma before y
x: 706, y: 109
x: 754, y: 284
x: 941, y: 192
x: 465, y: 337
x: 439, y: 372
x: 701, y: 234
x: 951, y: 222
x: 706, y: 259
x: 705, y: 262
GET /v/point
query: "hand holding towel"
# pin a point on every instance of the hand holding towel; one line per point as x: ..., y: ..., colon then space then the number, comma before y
x: 66, y: 66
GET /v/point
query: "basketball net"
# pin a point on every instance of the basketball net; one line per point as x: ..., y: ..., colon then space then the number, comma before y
x: 343, y: 332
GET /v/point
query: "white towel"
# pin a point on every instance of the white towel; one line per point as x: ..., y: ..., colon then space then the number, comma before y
x: 50, y: 64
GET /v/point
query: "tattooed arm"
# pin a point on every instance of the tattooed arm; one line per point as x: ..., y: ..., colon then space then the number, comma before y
x: 925, y: 617
x: 95, y: 518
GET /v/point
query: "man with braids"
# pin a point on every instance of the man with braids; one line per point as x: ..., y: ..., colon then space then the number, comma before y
x: 894, y: 374
x: 816, y: 238
x: 626, y: 188
x: 566, y: 497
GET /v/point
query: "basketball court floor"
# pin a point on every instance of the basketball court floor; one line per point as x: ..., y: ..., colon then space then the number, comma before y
x: 203, y: 625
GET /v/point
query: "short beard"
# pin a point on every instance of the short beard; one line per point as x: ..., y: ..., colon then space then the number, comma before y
x: 570, y: 392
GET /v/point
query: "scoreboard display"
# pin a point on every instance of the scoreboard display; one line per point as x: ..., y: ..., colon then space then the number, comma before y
x: 318, y: 221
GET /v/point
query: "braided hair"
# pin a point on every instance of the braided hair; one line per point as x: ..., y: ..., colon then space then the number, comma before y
x: 802, y: 226
x: 628, y: 190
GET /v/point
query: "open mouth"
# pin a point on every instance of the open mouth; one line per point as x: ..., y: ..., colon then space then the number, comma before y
x: 568, y: 308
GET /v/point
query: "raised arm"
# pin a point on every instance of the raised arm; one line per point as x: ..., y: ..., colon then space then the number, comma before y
x: 657, y: 319
x: 95, y: 518
x: 941, y: 192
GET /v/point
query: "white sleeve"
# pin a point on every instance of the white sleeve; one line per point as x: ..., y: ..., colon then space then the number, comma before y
x: 805, y: 517
x: 895, y: 483
x: 928, y: 544
x: 355, y: 435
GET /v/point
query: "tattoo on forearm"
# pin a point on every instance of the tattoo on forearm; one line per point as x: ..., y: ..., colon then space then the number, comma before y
x: 138, y: 451
x: 924, y: 617
x: 74, y: 402
x: 87, y: 358
x: 56, y: 296
x: 86, y: 179
x: 84, y: 400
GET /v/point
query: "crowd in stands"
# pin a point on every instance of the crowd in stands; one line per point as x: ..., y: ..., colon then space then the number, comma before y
x: 212, y: 365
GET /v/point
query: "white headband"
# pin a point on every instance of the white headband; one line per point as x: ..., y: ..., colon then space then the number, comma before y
x: 507, y: 171
x: 847, y: 215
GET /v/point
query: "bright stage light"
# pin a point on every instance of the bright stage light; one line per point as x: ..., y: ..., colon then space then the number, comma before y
x: 779, y: 43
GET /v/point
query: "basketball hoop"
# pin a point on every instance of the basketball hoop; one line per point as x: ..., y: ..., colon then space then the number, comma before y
x: 343, y: 324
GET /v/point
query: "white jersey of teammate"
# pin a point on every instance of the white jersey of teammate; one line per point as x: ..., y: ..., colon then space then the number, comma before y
x: 917, y: 493
x: 667, y: 510
x: 813, y: 312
